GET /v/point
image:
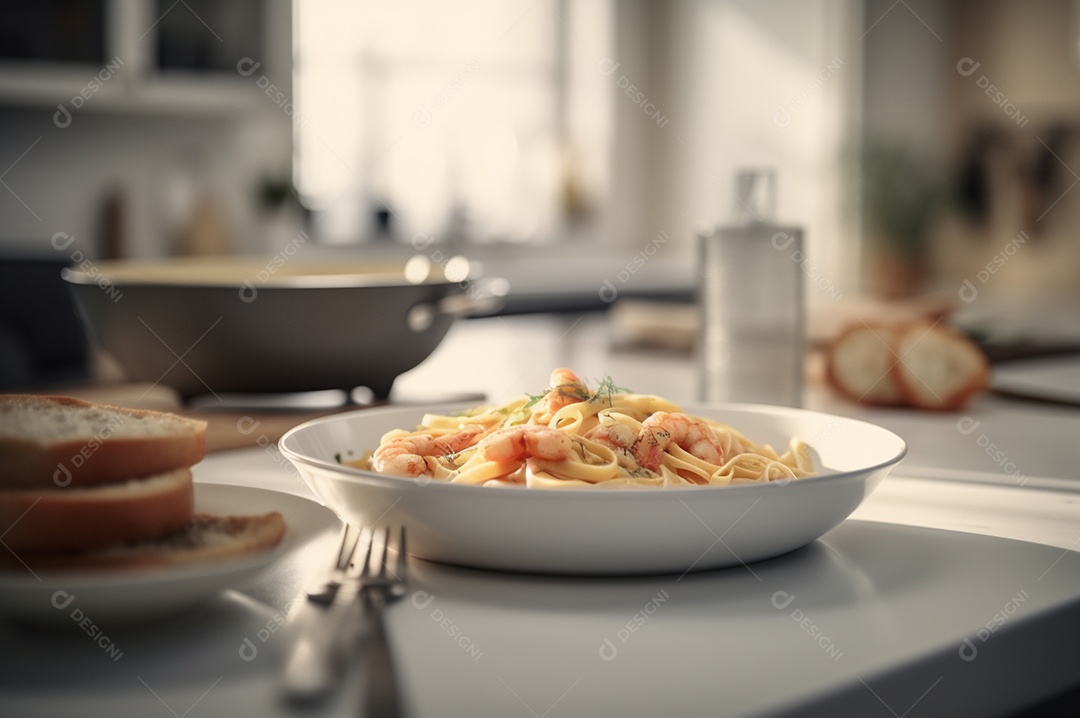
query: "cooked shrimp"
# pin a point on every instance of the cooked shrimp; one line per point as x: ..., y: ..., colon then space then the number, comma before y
x: 612, y: 435
x: 566, y: 389
x: 517, y: 443
x: 687, y: 432
x: 619, y: 438
x: 404, y: 456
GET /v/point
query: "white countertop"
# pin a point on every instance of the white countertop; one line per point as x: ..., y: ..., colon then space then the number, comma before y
x: 952, y: 590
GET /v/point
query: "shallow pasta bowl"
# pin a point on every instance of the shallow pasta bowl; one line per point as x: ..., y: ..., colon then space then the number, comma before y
x: 596, y: 530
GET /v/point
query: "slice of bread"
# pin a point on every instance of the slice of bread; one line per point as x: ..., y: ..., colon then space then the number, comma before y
x: 82, y: 519
x: 860, y: 363
x: 206, y: 538
x: 92, y: 487
x: 56, y: 441
x: 941, y: 369
x: 914, y: 364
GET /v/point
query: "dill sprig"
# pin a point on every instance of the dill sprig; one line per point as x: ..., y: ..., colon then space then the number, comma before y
x: 606, y: 389
x: 521, y: 414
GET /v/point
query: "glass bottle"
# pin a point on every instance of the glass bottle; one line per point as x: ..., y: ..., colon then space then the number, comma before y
x: 750, y: 291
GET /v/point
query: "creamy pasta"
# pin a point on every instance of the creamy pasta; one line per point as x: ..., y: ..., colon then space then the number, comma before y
x: 573, y: 436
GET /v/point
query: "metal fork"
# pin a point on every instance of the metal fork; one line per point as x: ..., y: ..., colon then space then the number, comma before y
x: 381, y: 586
x: 331, y: 622
x: 326, y: 592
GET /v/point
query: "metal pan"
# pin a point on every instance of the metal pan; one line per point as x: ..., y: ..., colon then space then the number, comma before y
x: 212, y: 326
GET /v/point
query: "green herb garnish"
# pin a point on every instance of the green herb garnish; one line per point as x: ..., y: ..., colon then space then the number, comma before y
x: 521, y: 414
x: 606, y: 389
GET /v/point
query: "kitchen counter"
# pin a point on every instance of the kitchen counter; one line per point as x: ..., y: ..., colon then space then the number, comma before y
x: 951, y: 591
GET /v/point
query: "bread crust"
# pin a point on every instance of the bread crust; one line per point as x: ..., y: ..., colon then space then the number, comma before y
x: 100, y: 456
x: 94, y: 487
x: 925, y: 365
x: 55, y: 520
x: 880, y: 389
x: 969, y: 370
x: 206, y: 538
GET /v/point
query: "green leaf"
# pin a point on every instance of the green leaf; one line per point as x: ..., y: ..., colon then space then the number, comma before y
x: 606, y: 388
x: 516, y: 417
x: 520, y: 414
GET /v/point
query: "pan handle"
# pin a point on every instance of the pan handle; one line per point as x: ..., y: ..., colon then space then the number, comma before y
x: 482, y: 296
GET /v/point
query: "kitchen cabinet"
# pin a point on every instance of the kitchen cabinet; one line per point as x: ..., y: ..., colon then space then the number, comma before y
x: 143, y: 56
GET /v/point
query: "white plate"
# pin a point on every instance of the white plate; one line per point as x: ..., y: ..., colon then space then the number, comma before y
x: 603, y: 531
x: 103, y: 597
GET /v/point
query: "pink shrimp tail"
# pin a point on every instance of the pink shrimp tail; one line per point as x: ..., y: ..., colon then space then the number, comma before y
x: 566, y: 388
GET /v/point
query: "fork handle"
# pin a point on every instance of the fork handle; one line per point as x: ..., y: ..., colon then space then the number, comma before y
x: 383, y: 698
x: 324, y: 639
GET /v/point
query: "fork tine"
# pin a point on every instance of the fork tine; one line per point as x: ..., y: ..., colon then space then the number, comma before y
x: 399, y: 569
x: 382, y: 569
x: 326, y: 591
x: 385, y: 552
x: 347, y: 548
x: 361, y: 567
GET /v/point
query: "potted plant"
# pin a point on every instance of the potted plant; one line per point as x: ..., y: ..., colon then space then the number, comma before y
x: 901, y: 194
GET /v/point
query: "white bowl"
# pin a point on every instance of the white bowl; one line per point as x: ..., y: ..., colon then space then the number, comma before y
x: 602, y: 531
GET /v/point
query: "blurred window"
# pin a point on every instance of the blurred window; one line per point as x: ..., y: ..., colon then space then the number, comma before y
x: 207, y: 35
x: 475, y: 119
x: 67, y: 31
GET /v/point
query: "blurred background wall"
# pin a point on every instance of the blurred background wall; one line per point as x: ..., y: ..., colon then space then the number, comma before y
x: 589, y: 121
x: 917, y: 142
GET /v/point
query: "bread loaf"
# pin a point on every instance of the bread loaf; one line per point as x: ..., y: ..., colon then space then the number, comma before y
x: 941, y: 369
x: 204, y: 538
x: 56, y: 442
x: 88, y: 486
x: 860, y: 364
x: 83, y: 519
x: 915, y: 364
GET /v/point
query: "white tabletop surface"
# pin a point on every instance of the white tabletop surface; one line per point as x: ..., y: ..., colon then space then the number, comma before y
x: 953, y: 590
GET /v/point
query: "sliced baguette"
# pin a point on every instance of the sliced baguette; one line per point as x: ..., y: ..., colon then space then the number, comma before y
x: 860, y: 361
x: 82, y: 519
x: 941, y: 369
x: 206, y: 538
x: 56, y: 441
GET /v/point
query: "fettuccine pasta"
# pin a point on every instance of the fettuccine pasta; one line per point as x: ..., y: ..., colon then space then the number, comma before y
x: 571, y: 436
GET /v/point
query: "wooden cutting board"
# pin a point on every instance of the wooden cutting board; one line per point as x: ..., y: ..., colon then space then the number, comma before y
x: 226, y: 428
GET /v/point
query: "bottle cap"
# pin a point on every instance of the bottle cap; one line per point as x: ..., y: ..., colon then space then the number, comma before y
x: 755, y: 196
